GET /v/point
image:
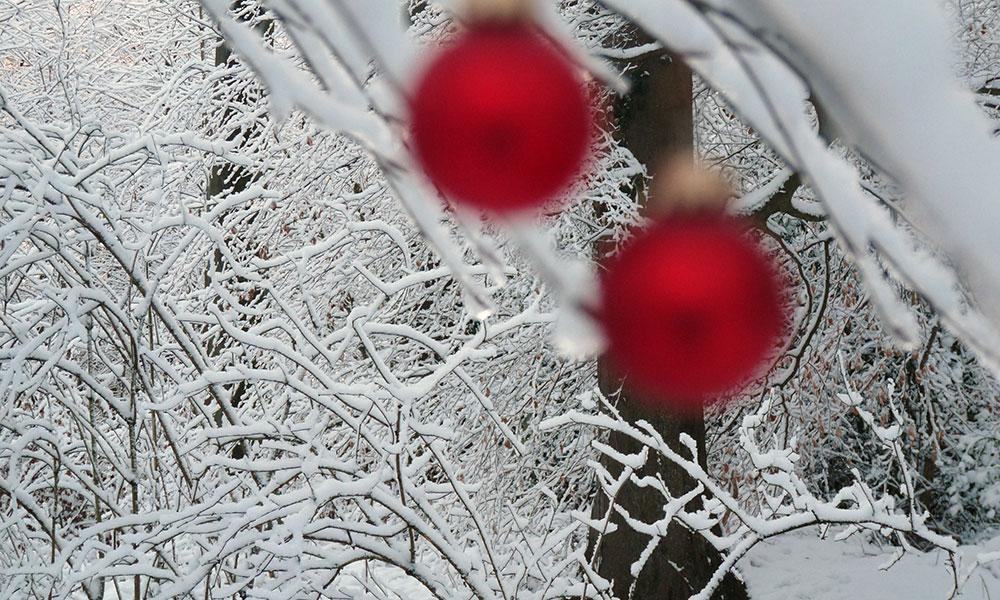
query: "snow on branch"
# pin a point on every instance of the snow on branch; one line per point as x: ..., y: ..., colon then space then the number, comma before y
x: 790, y: 504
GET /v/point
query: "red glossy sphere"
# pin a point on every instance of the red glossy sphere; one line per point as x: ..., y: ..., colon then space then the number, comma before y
x: 500, y: 119
x: 691, y: 308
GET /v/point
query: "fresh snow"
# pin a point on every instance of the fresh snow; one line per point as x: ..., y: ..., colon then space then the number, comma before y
x: 802, y: 566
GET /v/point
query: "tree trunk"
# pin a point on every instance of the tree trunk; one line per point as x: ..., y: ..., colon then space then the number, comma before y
x: 654, y: 120
x: 226, y: 179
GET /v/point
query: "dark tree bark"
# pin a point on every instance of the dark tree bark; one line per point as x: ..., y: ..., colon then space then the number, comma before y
x: 654, y: 120
x: 224, y: 180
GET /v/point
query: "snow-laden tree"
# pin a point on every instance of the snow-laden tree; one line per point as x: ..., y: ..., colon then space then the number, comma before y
x: 311, y: 380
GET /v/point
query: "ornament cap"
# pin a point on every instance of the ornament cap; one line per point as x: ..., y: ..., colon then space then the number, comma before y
x: 499, y: 11
x: 682, y: 187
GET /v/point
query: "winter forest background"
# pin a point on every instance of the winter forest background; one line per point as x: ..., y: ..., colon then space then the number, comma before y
x: 246, y: 352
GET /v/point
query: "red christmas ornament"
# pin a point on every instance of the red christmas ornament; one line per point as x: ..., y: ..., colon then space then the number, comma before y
x: 690, y: 309
x: 500, y: 119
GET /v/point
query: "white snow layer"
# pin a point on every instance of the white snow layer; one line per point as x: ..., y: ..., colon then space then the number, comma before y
x: 801, y: 566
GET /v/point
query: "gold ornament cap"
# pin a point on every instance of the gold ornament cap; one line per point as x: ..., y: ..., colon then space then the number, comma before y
x: 682, y: 187
x: 499, y: 11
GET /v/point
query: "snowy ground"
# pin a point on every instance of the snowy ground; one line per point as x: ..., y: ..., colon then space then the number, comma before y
x: 801, y: 566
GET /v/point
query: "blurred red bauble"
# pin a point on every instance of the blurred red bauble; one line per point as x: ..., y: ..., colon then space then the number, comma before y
x: 691, y: 308
x: 500, y: 119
